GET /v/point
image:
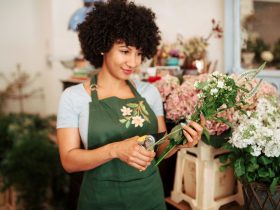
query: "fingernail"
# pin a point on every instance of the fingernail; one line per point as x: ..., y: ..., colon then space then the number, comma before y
x: 183, y: 124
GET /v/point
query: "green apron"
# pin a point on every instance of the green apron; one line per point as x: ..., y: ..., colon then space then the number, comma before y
x: 116, y: 185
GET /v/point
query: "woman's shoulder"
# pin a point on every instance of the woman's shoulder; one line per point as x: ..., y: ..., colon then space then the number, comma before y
x: 144, y: 87
x: 76, y: 93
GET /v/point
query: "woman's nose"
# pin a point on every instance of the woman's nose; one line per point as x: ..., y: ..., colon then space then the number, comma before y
x: 133, y: 61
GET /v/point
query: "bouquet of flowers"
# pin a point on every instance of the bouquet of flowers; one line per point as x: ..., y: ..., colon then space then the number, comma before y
x: 218, y: 94
x: 255, y: 144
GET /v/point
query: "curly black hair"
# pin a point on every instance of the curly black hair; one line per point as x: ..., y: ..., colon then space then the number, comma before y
x: 118, y: 20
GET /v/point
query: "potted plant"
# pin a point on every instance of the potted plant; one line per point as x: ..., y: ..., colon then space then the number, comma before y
x: 276, y: 54
x: 29, y: 162
x: 254, y: 154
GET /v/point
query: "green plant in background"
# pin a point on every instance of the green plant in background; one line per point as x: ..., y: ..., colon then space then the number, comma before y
x: 276, y: 54
x: 256, y: 46
x: 260, y: 46
x: 16, y: 88
x: 29, y: 162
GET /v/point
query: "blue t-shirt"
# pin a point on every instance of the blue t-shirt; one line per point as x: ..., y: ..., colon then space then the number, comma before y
x: 73, y: 109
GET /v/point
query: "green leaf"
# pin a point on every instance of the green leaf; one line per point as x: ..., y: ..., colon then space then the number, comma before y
x: 251, y: 167
x: 273, y: 185
x: 250, y: 177
x: 146, y: 118
x: 127, y: 124
x: 171, y: 145
x: 239, y: 167
x: 223, y: 158
x: 271, y: 173
x: 253, y: 91
x: 205, y: 132
x: 264, y: 160
x: 122, y: 120
x: 224, y: 167
x: 143, y: 108
x: 132, y: 105
x: 201, y: 85
x: 176, y: 134
x: 223, y: 120
x: 263, y: 172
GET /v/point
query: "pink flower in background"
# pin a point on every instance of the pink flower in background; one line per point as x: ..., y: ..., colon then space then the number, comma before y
x: 217, y: 128
x: 166, y: 85
x: 182, y: 100
x: 191, y: 79
x: 265, y: 89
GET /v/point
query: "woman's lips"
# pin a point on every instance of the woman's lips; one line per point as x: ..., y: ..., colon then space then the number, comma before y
x: 127, y: 71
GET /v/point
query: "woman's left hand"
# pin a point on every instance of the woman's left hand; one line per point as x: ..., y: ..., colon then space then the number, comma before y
x: 192, y: 131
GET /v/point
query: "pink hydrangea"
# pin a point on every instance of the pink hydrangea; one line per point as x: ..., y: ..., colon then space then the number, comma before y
x: 265, y: 89
x: 217, y: 128
x: 181, y: 102
x: 166, y: 85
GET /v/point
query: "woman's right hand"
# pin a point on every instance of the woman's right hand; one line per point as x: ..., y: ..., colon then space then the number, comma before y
x: 133, y: 154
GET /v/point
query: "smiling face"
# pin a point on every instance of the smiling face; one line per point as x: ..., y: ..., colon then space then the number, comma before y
x: 122, y: 60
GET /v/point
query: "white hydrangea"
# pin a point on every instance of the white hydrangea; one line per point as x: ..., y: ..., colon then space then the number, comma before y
x: 213, y: 91
x: 220, y: 84
x: 260, y: 129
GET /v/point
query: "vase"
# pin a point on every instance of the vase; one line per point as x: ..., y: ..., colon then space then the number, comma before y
x: 257, y: 196
x: 248, y: 59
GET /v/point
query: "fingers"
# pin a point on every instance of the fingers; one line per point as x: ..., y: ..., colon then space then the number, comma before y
x: 141, y: 158
x: 198, y: 128
x: 202, y: 120
x: 192, y: 132
x: 193, y: 129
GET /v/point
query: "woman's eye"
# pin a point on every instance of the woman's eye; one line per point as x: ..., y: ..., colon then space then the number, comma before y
x: 140, y: 54
x: 124, y: 51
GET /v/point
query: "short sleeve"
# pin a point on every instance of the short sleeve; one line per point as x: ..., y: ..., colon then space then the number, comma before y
x: 156, y: 101
x: 67, y: 116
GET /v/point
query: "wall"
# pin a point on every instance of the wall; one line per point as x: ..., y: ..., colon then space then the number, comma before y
x: 36, y: 36
x: 21, y: 42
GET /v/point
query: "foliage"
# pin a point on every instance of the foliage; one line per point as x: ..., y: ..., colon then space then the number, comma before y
x: 260, y: 46
x: 29, y: 161
x: 255, y: 145
x: 276, y: 52
x: 16, y: 88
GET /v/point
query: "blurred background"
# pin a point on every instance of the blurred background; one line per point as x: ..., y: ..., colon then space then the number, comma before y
x: 40, y: 56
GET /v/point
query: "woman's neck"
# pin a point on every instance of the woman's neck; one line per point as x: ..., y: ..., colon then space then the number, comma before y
x: 108, y: 81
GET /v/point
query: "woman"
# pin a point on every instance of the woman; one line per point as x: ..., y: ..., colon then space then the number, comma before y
x: 110, y: 112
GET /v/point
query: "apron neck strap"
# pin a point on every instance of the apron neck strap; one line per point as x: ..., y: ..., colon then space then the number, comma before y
x: 93, y: 87
x: 133, y: 88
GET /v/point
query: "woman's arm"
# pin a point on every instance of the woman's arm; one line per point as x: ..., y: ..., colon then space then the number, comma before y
x: 75, y: 159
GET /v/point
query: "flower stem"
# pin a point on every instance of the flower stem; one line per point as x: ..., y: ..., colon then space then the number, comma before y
x: 163, y: 139
x: 171, y: 145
